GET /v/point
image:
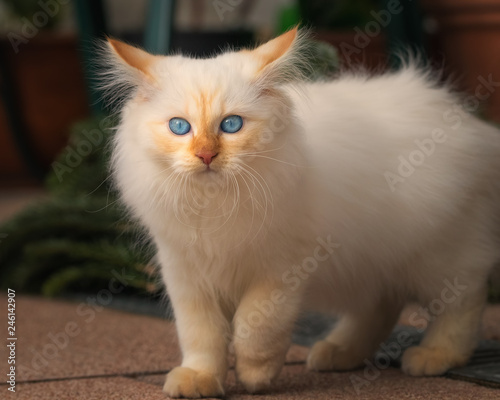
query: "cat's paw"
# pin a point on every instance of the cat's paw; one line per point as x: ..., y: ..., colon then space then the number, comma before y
x: 191, y: 384
x: 258, y: 376
x: 426, y: 361
x: 326, y: 356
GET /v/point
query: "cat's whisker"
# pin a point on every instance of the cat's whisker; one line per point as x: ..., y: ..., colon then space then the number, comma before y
x: 224, y: 204
x: 205, y: 205
x: 162, y: 188
x: 183, y: 215
x: 97, y: 188
x: 178, y: 180
x: 193, y: 197
x: 158, y: 189
x: 275, y: 159
x: 162, y: 172
x: 260, y: 181
x: 251, y: 198
x: 184, y: 199
x: 266, y: 151
x: 236, y: 194
x: 231, y: 212
x: 265, y: 193
x: 228, y: 217
x: 160, y: 197
x: 237, y: 203
x: 268, y: 196
x: 255, y: 188
x: 102, y: 208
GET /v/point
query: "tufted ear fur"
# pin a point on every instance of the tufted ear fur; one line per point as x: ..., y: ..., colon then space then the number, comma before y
x: 276, y: 48
x: 281, y: 59
x: 124, y: 70
x: 132, y: 56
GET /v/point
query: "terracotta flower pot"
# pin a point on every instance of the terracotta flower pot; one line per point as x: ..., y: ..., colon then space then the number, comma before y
x: 469, y: 36
x: 49, y: 84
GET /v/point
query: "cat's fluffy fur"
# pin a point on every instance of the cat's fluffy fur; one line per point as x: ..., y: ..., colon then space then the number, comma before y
x: 353, y: 196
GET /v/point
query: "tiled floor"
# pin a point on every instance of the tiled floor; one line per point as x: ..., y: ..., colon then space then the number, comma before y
x: 82, y: 351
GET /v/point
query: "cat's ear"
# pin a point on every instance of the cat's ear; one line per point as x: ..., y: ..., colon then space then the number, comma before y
x: 279, y: 59
x: 132, y: 57
x: 124, y: 70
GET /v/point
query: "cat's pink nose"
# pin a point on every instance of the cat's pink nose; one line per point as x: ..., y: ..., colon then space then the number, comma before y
x: 206, y: 156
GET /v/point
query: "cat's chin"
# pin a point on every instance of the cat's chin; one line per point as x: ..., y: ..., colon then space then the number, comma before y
x: 205, y: 174
x: 207, y: 171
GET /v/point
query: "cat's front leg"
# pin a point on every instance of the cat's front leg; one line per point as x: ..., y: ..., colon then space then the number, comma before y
x: 203, y: 335
x: 262, y: 330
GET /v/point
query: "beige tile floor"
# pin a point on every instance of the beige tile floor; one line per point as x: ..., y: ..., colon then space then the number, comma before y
x: 77, y: 351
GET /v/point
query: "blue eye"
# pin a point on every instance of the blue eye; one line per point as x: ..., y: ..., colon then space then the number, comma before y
x: 179, y: 126
x: 231, y: 124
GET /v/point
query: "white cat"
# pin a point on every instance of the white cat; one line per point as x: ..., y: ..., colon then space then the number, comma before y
x: 265, y: 196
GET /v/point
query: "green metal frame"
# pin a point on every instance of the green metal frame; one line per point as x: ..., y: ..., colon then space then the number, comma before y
x: 92, y: 25
x: 158, y: 34
x: 404, y: 31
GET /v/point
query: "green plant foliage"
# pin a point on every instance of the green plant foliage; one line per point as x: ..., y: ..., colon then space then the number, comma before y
x: 80, y: 238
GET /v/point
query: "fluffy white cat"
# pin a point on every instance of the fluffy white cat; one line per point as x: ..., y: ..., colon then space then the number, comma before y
x: 266, y: 196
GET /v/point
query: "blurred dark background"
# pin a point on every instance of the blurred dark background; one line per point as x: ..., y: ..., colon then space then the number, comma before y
x: 45, y: 47
x: 54, y: 127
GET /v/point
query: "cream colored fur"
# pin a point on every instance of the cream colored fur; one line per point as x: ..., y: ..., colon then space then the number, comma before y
x: 305, y: 208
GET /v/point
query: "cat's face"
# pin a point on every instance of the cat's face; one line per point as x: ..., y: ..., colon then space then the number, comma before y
x: 204, y: 116
x: 210, y: 116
